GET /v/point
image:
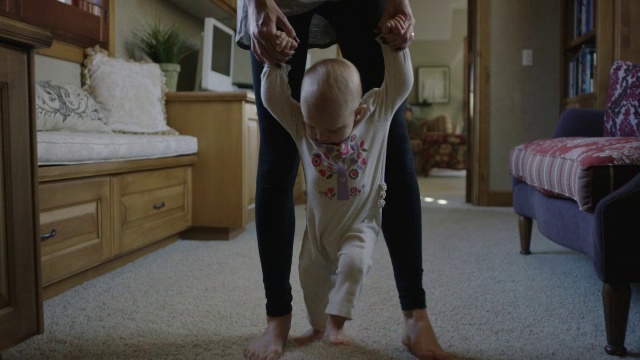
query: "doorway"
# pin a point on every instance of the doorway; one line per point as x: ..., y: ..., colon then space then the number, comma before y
x: 447, y: 183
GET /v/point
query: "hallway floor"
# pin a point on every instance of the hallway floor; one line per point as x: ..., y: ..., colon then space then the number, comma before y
x: 443, y: 188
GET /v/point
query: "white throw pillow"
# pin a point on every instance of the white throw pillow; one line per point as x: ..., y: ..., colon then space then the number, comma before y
x: 130, y: 93
x: 66, y: 107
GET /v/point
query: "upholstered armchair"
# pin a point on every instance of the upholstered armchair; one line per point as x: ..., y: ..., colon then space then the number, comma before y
x: 582, y: 187
x: 441, y: 146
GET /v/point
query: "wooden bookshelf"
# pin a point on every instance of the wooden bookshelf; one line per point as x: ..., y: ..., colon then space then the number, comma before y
x: 595, y: 34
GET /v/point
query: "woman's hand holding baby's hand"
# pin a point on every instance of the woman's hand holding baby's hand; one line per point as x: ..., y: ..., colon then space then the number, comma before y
x: 264, y: 19
x: 284, y: 43
x: 395, y: 25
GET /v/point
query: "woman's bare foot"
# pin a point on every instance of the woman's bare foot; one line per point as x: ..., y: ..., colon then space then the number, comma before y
x: 420, y: 338
x: 309, y: 336
x: 270, y: 345
x: 334, y: 332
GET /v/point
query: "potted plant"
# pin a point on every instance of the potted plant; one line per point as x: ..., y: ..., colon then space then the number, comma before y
x: 165, y: 45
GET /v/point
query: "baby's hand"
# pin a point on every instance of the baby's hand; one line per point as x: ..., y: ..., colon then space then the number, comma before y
x: 395, y: 25
x: 285, y: 43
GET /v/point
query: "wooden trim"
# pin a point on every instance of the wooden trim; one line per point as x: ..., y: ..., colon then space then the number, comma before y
x: 480, y: 131
x: 112, y: 28
x: 34, y: 190
x: 14, y: 31
x: 211, y: 233
x: 209, y: 96
x: 63, y: 51
x: 63, y: 285
x: 563, y: 79
x: 59, y: 172
x: 627, y: 38
x: 469, y: 120
x: 500, y: 198
x: 605, y: 48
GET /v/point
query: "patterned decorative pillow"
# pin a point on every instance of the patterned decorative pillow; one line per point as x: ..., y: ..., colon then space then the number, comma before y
x: 66, y: 107
x: 132, y: 94
x: 622, y: 116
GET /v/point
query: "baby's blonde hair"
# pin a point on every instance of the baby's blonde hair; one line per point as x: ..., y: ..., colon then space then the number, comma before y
x: 332, y: 85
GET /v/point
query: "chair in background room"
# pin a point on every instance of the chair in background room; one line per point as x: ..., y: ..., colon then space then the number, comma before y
x: 442, y: 145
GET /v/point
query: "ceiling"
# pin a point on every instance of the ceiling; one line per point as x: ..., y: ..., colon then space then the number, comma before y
x: 206, y: 8
x: 433, y: 17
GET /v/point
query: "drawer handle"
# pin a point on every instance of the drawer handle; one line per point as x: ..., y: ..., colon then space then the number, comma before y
x: 158, y: 206
x: 48, y: 236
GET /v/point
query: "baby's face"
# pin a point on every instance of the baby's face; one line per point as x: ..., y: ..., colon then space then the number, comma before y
x: 327, y: 129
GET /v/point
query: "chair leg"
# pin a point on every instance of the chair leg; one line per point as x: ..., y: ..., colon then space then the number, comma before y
x: 616, y: 299
x: 524, y: 227
x: 426, y: 170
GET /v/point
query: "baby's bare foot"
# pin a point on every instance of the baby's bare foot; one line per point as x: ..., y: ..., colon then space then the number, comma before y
x: 337, y: 337
x: 309, y: 336
x: 419, y: 337
x: 335, y: 330
x: 270, y: 345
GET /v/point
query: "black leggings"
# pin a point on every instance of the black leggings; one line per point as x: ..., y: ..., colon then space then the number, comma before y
x: 353, y: 22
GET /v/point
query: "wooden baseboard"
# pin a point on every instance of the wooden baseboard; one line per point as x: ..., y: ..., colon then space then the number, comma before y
x: 500, y: 198
x: 211, y: 233
x: 72, y: 281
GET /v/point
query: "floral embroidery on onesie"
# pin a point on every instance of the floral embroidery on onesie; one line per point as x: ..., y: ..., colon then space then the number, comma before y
x: 345, y: 163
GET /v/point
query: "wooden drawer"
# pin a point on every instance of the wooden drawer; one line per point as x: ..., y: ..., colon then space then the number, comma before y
x: 150, y: 206
x: 79, y: 212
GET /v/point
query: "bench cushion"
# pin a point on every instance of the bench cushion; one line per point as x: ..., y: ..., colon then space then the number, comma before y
x: 64, y: 147
x: 583, y: 169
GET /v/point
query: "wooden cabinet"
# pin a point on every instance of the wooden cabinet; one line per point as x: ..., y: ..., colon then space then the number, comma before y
x: 20, y: 290
x: 226, y: 125
x: 97, y: 217
x: 595, y: 34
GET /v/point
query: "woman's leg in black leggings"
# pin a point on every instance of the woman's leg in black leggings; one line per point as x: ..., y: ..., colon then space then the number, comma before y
x: 277, y: 169
x: 275, y: 217
x: 401, y: 215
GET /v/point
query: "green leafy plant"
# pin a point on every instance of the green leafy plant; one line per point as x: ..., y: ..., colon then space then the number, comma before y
x: 162, y: 43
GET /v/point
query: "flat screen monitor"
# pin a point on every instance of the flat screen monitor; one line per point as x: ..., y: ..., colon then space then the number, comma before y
x: 216, y: 56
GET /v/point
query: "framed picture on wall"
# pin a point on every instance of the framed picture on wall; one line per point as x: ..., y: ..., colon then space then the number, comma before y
x: 433, y: 84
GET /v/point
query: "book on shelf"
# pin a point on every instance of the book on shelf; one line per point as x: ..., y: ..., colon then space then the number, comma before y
x: 583, y: 17
x: 581, y: 71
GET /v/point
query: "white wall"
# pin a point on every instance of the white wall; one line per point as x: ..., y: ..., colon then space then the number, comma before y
x: 47, y: 68
x: 524, y: 100
x: 444, y: 52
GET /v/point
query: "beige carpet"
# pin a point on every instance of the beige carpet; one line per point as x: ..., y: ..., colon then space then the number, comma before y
x: 204, y: 300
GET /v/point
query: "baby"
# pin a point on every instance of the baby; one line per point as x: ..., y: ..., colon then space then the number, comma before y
x: 341, y: 136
